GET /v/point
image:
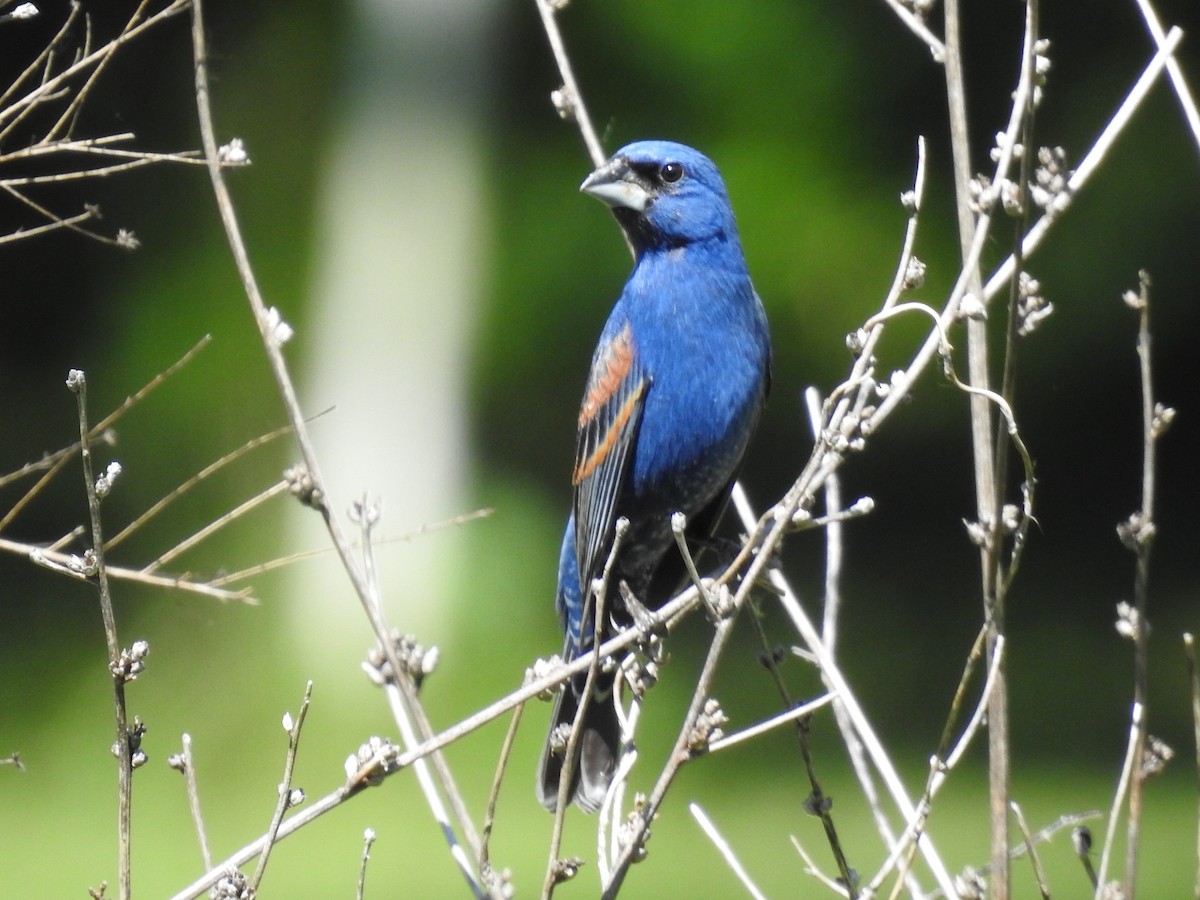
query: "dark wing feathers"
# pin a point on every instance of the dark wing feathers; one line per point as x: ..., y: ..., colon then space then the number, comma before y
x: 608, y: 425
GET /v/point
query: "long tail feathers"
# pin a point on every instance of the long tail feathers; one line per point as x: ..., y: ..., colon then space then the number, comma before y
x: 596, y: 751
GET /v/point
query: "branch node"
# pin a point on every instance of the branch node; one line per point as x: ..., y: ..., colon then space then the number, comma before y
x: 374, y: 761
x: 131, y: 663
x: 566, y: 869
x: 234, y: 153
x: 304, y: 487
x: 1129, y: 621
x: 707, y: 728
x: 415, y: 660
x: 133, y: 736
x: 232, y: 885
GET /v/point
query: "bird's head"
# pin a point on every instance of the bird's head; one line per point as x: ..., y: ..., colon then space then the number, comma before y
x: 664, y: 194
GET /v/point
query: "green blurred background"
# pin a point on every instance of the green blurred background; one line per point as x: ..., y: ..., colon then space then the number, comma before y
x: 412, y: 211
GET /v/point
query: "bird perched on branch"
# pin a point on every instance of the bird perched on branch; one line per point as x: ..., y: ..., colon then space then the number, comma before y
x: 677, y: 383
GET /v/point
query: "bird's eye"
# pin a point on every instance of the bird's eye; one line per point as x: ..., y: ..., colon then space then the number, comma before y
x: 670, y: 172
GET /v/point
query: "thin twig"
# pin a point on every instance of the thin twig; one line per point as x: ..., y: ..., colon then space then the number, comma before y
x: 77, y: 382
x: 901, y: 853
x: 54, y: 462
x: 99, y: 146
x: 987, y: 497
x: 913, y: 200
x: 1186, y: 100
x: 682, y: 752
x: 916, y: 24
x: 309, y: 814
x: 51, y: 85
x: 1096, y: 154
x: 368, y: 842
x: 784, y: 718
x: 833, y: 534
x: 216, y: 525
x: 1037, y: 233
x: 66, y: 120
x: 1193, y: 673
x: 725, y: 850
x: 1034, y: 860
x: 139, y: 395
x: 835, y: 682
x: 425, y: 770
x: 70, y: 223
x: 57, y: 462
x: 39, y: 87
x: 569, y: 100
x: 1005, y: 572
x: 1110, y: 833
x: 144, y: 159
x: 69, y: 564
x: 1138, y: 535
x: 489, y: 818
x: 1068, y: 820
x: 811, y: 868
x: 285, y: 799
x: 1080, y: 839
x: 190, y: 483
x: 566, y: 773
x: 692, y: 739
x: 977, y: 717
x: 820, y: 804
x: 186, y: 763
x: 40, y: 60
x: 610, y: 818
x: 817, y: 802
x: 290, y: 558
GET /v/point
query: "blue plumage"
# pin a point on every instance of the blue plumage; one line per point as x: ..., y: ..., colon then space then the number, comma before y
x: 678, y: 380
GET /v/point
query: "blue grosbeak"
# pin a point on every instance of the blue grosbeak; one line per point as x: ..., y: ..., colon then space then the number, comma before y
x: 677, y: 383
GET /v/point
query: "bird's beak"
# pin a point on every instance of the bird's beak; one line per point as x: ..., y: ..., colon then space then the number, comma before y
x: 615, y: 184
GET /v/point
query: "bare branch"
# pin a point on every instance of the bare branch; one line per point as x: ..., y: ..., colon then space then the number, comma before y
x: 1038, y: 872
x: 567, y: 99
x: 287, y: 798
x: 368, y: 842
x: 916, y: 24
x: 185, y: 762
x: 94, y: 563
x: 216, y: 525
x: 725, y: 850
x: 486, y: 872
x: 190, y: 483
x: 784, y: 718
x: 1113, y: 127
x: 1138, y: 535
x: 1127, y: 774
x: 69, y: 564
x: 1193, y: 671
x: 1186, y: 100
x: 289, y: 559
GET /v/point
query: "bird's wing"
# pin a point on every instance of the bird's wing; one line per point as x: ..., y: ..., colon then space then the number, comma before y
x: 608, y: 427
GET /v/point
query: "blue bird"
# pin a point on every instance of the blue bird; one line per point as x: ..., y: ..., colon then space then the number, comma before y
x: 677, y: 382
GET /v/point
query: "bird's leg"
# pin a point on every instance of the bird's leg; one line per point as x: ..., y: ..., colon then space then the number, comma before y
x: 643, y: 619
x: 640, y: 667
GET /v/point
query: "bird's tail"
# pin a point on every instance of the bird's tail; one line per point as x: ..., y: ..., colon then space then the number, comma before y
x: 595, y: 751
